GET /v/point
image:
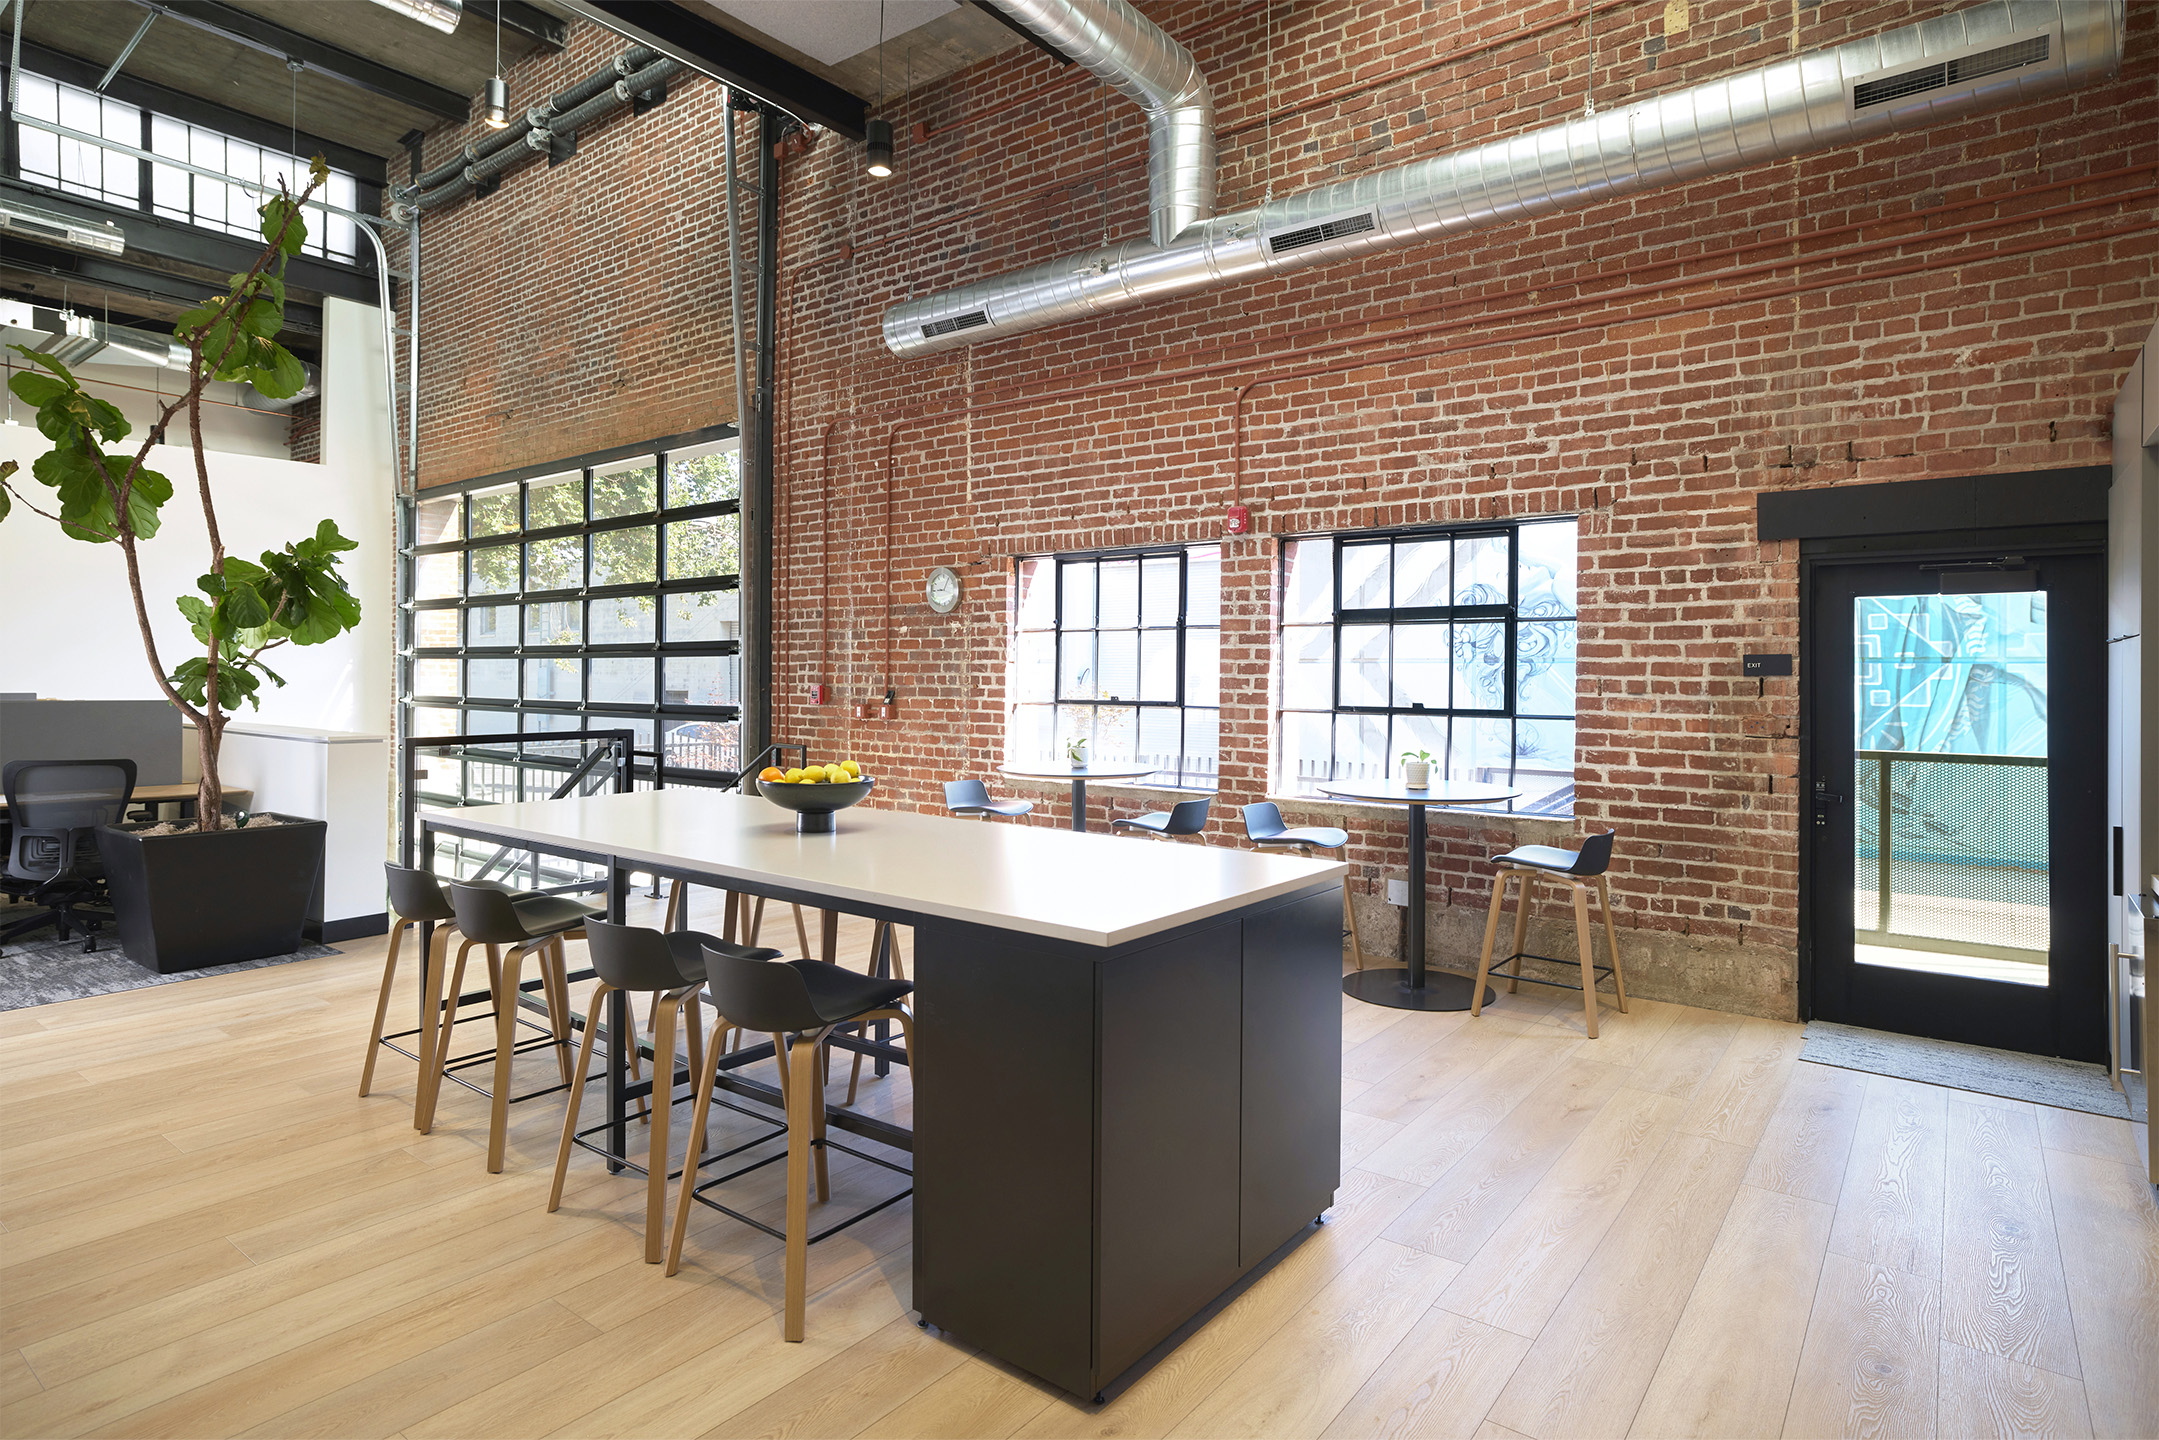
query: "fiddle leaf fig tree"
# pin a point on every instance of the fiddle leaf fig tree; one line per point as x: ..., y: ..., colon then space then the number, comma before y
x: 243, y: 609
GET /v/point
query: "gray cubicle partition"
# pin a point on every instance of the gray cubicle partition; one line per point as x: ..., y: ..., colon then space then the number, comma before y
x: 145, y: 731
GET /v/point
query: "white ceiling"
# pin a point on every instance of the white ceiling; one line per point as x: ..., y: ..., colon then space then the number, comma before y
x: 832, y: 31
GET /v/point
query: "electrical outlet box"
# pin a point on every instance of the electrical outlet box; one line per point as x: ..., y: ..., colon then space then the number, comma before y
x: 1397, y: 892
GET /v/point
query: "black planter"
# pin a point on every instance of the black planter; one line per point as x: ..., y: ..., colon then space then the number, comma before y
x: 186, y: 901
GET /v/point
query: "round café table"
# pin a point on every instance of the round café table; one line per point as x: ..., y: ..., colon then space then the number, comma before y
x: 1079, y: 775
x: 1415, y: 988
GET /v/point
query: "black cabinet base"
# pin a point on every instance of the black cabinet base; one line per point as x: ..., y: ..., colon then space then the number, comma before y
x: 1442, y: 990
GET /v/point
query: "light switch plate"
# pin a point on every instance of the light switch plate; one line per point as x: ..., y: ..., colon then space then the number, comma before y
x: 1397, y: 892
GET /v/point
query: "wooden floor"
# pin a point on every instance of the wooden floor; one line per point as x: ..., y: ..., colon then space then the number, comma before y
x: 1676, y: 1229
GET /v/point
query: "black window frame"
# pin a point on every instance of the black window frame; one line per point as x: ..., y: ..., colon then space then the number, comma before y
x: 660, y: 712
x: 1507, y: 614
x: 1184, y: 776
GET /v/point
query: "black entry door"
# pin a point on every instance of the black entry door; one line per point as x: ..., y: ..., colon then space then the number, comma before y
x: 1954, y: 817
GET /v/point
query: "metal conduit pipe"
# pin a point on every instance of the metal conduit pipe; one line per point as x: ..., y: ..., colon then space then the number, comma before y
x: 1991, y: 55
x: 1136, y: 58
x: 537, y: 140
x: 598, y: 82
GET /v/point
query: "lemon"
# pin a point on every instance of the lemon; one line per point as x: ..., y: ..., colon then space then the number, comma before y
x: 793, y: 777
x: 854, y: 771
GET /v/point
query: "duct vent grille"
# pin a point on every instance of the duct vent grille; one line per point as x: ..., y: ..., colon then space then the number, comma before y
x: 969, y: 321
x: 1937, y: 77
x: 1325, y: 230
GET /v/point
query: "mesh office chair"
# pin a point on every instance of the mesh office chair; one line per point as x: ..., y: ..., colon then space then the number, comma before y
x: 54, y: 810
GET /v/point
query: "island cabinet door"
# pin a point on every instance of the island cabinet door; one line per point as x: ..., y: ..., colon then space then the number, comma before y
x: 1168, y: 1087
x: 1291, y: 1158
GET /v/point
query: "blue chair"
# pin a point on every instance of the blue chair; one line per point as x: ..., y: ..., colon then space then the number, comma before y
x: 1264, y: 828
x: 972, y: 797
x: 1188, y: 817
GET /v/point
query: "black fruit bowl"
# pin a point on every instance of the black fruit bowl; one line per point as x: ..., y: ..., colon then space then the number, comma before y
x: 814, y: 804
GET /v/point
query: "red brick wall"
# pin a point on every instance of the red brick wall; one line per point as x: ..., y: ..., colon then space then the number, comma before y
x: 1601, y: 362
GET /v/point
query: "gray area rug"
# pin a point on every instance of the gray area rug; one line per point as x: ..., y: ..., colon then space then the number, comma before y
x: 2063, y: 1084
x: 40, y: 968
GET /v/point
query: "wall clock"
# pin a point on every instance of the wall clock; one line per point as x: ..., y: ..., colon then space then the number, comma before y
x: 943, y: 590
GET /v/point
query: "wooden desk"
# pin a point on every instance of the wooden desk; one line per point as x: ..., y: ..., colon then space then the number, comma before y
x: 1134, y: 1091
x: 182, y: 795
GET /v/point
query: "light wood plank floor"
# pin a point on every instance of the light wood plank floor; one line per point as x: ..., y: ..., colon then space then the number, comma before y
x: 1677, y: 1229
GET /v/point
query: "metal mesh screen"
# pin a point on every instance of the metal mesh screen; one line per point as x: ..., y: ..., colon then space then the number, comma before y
x: 1960, y: 854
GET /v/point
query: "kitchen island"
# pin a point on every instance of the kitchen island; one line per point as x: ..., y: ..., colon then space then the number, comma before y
x: 1129, y: 1088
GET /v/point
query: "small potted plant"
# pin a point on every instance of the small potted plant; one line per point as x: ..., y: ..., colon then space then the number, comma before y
x: 232, y: 887
x: 1076, y: 752
x: 1417, y: 769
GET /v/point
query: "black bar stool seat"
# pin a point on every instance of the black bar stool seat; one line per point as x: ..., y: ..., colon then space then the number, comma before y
x: 1187, y: 817
x: 1583, y: 872
x: 972, y: 797
x: 799, y: 1003
x: 528, y: 925
x: 670, y: 966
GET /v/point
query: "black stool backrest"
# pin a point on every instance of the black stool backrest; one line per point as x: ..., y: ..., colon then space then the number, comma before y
x: 485, y: 914
x: 55, y: 808
x: 1263, y: 821
x: 1187, y: 817
x: 760, y: 995
x: 416, y: 895
x: 1595, y: 856
x: 962, y: 793
x: 632, y: 957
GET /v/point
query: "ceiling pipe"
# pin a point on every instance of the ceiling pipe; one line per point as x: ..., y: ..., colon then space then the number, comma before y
x: 1988, y: 56
x: 1135, y: 57
x: 599, y: 81
x: 512, y: 147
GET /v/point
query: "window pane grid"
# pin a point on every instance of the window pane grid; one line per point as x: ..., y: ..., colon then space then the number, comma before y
x: 571, y: 615
x: 1456, y: 643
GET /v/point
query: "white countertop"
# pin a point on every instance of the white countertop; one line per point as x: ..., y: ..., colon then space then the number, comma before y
x: 1094, y: 889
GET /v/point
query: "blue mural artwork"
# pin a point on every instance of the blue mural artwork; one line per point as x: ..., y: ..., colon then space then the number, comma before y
x: 1952, y: 674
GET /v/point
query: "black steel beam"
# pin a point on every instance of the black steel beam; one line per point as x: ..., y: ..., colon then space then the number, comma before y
x: 527, y: 20
x: 319, y: 56
x: 725, y: 56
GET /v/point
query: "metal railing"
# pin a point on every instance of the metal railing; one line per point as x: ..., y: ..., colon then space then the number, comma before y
x: 1958, y: 852
x: 498, y: 771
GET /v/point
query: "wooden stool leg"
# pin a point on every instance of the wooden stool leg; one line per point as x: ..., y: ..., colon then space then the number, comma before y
x: 757, y: 922
x: 802, y: 932
x: 498, y: 1120
x: 799, y: 1129
x: 577, y: 1093
x: 663, y: 1097
x: 1611, y: 941
x: 1521, y: 931
x: 1589, y: 973
x: 445, y: 1032
x: 1491, y: 931
x: 730, y: 916
x: 694, y: 1007
x: 382, y: 1006
x: 881, y: 937
x: 430, y: 1022
x: 554, y: 965
x: 674, y: 905
x: 817, y: 1133
x: 828, y: 936
x: 706, y: 1080
x: 1349, y: 916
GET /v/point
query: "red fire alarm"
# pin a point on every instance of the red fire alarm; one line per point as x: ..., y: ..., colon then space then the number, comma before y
x: 817, y: 694
x: 1239, y: 520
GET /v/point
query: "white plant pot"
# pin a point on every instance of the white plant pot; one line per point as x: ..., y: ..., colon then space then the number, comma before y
x: 1417, y: 774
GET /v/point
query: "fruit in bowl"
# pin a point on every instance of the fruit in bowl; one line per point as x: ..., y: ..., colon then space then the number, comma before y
x: 814, y: 792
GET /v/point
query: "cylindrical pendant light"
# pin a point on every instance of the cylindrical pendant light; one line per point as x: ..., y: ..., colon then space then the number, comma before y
x: 498, y: 103
x: 877, y: 147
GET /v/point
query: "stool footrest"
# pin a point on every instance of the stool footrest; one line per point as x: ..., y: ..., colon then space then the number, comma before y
x: 1537, y: 980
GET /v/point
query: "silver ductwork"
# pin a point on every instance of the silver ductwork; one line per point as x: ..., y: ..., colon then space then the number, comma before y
x: 76, y: 339
x: 1133, y: 56
x: 2000, y: 53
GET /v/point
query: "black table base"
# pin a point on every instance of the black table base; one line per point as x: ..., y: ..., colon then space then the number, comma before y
x: 1442, y: 989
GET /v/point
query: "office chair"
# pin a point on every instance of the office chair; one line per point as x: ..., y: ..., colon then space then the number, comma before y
x: 54, y: 809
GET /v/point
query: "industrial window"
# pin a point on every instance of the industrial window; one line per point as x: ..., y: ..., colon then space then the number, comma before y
x: 1456, y: 642
x: 80, y: 168
x: 1122, y: 649
x: 602, y: 596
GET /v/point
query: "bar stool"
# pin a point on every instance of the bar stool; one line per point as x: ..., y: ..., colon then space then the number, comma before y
x: 1264, y: 828
x: 739, y: 906
x: 1187, y: 817
x: 537, y: 924
x: 972, y: 797
x: 416, y: 898
x: 1582, y: 871
x: 670, y: 967
x: 799, y: 1003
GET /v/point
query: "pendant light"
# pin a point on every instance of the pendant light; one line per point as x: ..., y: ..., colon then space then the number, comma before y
x: 498, y: 94
x: 877, y: 134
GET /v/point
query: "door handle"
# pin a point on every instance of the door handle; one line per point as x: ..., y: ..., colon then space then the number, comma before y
x: 1823, y: 799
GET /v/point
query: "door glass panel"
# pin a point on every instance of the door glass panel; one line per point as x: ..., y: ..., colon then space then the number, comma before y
x: 1950, y: 764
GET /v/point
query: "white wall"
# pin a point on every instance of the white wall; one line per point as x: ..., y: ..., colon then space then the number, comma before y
x: 67, y: 626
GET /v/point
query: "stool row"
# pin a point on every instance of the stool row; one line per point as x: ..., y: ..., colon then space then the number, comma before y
x: 800, y: 1004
